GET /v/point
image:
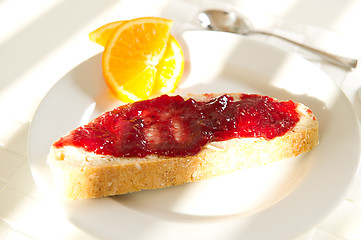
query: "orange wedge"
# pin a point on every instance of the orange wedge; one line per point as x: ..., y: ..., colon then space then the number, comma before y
x: 140, y: 58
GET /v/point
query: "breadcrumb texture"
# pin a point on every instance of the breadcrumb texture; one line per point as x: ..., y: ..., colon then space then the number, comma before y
x: 80, y: 174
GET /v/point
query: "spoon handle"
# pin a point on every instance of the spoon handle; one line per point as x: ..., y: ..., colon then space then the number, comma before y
x: 347, y: 63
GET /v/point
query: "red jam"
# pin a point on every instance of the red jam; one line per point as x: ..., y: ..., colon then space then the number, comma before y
x: 172, y: 126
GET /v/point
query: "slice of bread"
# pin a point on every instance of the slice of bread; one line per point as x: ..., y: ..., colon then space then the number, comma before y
x: 81, y: 174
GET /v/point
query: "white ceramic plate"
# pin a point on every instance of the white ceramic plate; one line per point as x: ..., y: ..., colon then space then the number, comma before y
x: 279, y: 201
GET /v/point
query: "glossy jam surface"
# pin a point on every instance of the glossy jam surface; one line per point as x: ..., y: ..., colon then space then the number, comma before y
x: 172, y: 126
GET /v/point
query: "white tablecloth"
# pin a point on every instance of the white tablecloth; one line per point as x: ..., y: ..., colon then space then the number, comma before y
x: 40, y: 41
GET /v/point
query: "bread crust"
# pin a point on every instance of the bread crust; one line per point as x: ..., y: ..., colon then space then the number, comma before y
x: 80, y: 174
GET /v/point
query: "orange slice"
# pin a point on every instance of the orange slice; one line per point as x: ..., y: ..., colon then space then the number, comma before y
x: 140, y: 57
x: 102, y: 34
x: 170, y: 68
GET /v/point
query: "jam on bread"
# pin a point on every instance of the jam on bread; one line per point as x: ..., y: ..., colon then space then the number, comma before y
x: 173, y: 126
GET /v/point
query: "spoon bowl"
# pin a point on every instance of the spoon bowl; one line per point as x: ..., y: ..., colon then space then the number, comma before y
x: 225, y: 21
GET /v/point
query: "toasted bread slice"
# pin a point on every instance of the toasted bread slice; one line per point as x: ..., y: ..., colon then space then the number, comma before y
x: 82, y: 174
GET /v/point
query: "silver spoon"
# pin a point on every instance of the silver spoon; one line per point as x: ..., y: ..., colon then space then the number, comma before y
x: 219, y: 20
